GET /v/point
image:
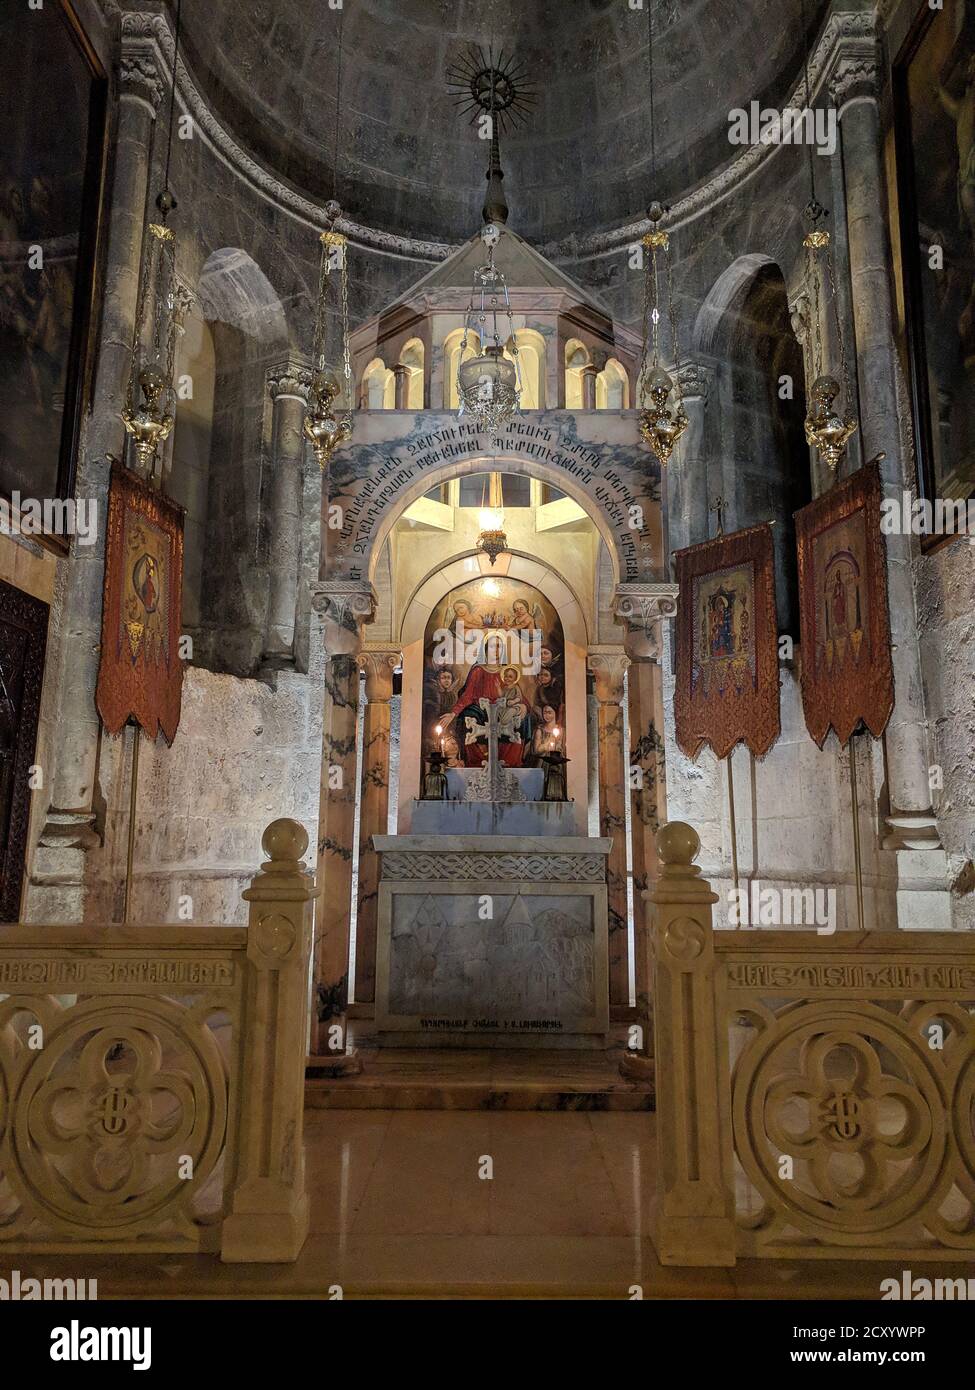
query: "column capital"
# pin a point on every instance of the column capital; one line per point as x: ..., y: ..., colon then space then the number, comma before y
x: 342, y: 606
x: 695, y: 380
x: 143, y: 69
x: 608, y: 665
x: 851, y: 61
x: 642, y: 607
x: 289, y: 378
x: 378, y: 661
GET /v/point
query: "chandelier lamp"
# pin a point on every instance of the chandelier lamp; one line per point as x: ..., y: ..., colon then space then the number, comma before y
x: 663, y: 420
x: 492, y: 540
x: 324, y: 427
x: 150, y: 396
x: 828, y: 427
x: 489, y: 383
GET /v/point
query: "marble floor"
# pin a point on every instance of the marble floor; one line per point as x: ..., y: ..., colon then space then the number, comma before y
x: 399, y: 1210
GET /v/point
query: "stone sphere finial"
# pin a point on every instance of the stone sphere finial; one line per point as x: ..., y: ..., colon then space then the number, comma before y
x: 284, y: 839
x: 678, y: 843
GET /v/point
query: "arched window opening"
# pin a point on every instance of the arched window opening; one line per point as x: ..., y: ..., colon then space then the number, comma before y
x: 412, y: 358
x: 612, y: 387
x: 576, y: 360
x: 378, y: 386
x: 769, y: 451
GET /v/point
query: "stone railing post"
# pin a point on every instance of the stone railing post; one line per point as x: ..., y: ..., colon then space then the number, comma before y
x: 692, y: 1221
x: 268, y: 1216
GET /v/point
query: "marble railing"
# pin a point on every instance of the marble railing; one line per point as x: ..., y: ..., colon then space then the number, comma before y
x: 152, y: 1078
x: 815, y: 1094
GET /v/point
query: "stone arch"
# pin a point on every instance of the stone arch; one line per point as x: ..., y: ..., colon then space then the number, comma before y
x: 747, y: 330
x: 510, y: 463
x: 412, y: 356
x: 249, y: 328
x: 235, y: 292
x: 556, y: 588
x: 612, y: 386
x: 729, y: 286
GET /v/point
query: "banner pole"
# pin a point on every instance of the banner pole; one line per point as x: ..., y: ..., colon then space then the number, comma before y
x: 857, y: 859
x: 734, y: 827
x: 133, y: 793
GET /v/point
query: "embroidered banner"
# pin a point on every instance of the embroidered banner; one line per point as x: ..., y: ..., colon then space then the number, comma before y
x: 727, y: 645
x: 140, y: 675
x: 845, y: 671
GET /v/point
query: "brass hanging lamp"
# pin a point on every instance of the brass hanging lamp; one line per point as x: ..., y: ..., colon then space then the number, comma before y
x: 324, y: 426
x: 149, y: 420
x: 828, y: 428
x: 663, y: 421
x: 489, y: 382
x: 492, y: 539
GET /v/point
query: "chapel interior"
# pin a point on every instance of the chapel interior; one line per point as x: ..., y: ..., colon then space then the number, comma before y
x: 487, y: 646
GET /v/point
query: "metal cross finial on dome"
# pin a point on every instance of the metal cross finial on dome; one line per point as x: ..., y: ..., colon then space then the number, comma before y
x: 499, y: 88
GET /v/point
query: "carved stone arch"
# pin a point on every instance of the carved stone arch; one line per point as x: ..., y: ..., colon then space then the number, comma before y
x: 429, y: 479
x: 730, y: 286
x: 575, y: 632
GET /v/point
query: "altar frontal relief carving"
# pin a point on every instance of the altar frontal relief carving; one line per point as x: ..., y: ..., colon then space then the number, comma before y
x: 504, y: 644
x: 529, y: 966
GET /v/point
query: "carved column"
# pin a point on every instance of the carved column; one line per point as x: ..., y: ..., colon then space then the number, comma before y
x: 687, y: 482
x: 378, y: 661
x: 288, y: 385
x: 607, y: 665
x: 57, y: 891
x: 693, y: 1222
x: 644, y: 608
x: 342, y: 606
x: 883, y: 425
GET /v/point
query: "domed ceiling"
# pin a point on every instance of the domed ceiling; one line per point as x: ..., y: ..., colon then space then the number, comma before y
x: 409, y: 163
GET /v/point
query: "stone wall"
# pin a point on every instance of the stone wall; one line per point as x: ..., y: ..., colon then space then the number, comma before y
x: 245, y: 753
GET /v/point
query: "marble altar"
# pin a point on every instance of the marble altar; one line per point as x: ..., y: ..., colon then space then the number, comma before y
x: 492, y: 940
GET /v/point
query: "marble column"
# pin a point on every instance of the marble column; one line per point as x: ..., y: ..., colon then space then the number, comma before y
x: 401, y: 376
x: 589, y: 387
x: 607, y: 665
x: 378, y: 661
x: 340, y: 607
x: 884, y: 413
x: 644, y: 609
x: 288, y: 385
x: 57, y: 891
